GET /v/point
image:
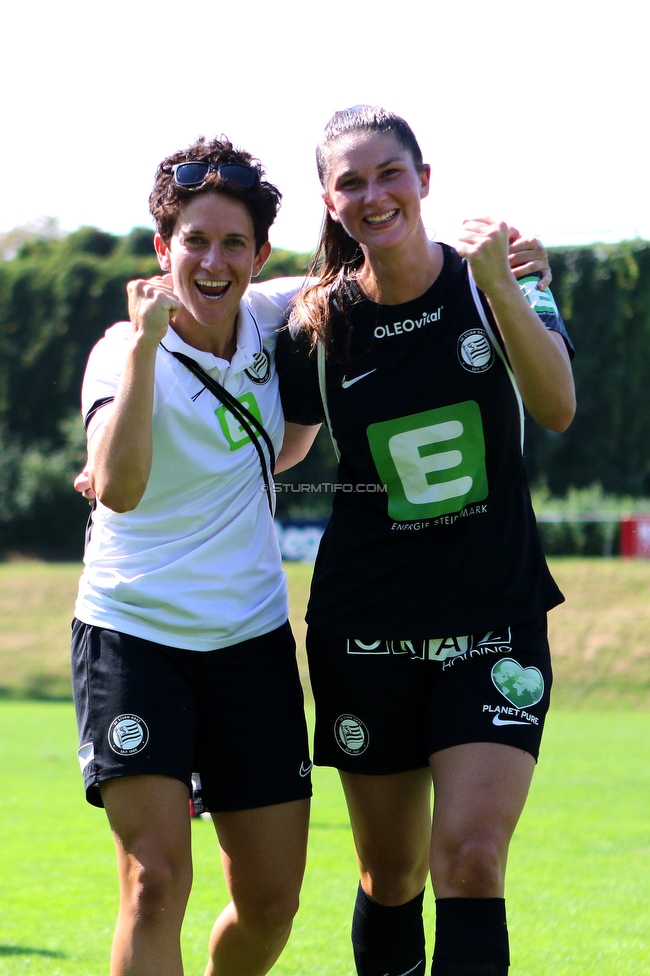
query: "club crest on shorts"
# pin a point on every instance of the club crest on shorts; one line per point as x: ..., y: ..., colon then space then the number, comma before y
x: 351, y: 734
x: 260, y: 369
x: 475, y: 353
x: 128, y: 735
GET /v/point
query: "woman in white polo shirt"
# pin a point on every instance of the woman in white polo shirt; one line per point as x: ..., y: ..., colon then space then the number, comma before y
x: 183, y: 659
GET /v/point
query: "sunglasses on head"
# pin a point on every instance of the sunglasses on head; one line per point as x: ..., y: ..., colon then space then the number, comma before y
x: 193, y: 175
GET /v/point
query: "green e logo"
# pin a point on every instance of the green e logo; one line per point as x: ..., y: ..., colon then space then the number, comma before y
x: 432, y: 463
x: 231, y: 428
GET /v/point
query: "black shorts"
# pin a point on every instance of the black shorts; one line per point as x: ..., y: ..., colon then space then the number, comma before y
x: 233, y: 718
x: 385, y: 706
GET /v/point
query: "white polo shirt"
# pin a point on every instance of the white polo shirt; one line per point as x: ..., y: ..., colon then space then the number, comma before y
x: 196, y: 564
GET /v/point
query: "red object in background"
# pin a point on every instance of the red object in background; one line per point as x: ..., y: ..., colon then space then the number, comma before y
x: 635, y: 537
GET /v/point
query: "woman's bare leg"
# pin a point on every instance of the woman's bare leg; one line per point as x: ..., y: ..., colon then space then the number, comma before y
x: 391, y: 825
x: 391, y: 822
x: 480, y: 789
x: 263, y: 853
x: 149, y: 817
x: 479, y: 792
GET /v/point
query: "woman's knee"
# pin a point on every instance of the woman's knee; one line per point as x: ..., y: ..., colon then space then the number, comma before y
x: 473, y: 868
x: 267, y: 912
x: 154, y: 888
x: 392, y: 880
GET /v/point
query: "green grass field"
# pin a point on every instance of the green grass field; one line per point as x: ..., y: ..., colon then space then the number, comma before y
x: 600, y: 637
x: 578, y: 877
x: 579, y: 873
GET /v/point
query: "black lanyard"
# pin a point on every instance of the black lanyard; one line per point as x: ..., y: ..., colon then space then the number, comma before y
x: 242, y: 414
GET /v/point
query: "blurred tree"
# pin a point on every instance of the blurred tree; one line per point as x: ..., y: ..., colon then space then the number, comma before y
x: 56, y: 299
x: 284, y: 264
x: 59, y: 293
x: 603, y: 293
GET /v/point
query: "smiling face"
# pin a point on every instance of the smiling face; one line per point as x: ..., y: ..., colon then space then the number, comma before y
x: 374, y: 189
x: 211, y: 256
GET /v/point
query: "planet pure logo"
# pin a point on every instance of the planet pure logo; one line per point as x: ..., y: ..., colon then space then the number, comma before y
x: 522, y: 687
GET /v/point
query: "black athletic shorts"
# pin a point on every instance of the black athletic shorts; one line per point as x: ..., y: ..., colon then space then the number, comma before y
x: 231, y: 719
x: 384, y: 706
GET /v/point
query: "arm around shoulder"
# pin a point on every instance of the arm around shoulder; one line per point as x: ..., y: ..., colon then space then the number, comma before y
x: 296, y: 445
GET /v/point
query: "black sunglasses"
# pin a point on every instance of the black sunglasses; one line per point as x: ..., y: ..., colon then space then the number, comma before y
x: 194, y: 174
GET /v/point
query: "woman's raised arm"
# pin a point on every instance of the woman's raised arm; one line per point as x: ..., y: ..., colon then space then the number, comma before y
x: 539, y: 358
x: 120, y: 452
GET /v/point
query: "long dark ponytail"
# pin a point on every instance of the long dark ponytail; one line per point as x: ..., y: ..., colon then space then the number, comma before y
x: 338, y: 257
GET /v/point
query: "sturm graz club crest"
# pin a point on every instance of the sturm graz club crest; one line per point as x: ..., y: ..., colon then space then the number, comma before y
x: 260, y: 369
x: 351, y: 734
x: 474, y: 351
x: 128, y: 735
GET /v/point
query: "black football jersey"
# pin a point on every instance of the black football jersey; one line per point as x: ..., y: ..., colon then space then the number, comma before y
x: 432, y: 530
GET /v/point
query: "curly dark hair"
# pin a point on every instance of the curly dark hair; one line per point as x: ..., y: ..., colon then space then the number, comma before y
x: 167, y: 198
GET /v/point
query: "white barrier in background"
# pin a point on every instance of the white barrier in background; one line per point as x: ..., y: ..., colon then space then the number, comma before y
x: 299, y: 541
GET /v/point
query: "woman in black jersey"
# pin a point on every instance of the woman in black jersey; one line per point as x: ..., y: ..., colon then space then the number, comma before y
x: 427, y: 618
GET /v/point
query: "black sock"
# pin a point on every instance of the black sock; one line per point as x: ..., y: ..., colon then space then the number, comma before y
x: 388, y: 941
x: 471, y: 937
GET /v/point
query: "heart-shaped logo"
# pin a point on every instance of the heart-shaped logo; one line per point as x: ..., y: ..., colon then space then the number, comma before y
x: 521, y: 686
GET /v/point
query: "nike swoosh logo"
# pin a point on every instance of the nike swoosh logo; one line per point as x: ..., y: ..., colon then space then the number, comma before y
x: 305, y: 770
x: 346, y: 383
x: 497, y: 720
x: 411, y: 970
